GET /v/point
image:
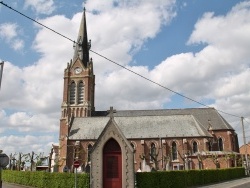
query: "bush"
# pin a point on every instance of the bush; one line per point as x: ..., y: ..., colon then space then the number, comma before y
x: 45, y: 179
x: 186, y: 178
x: 163, y: 179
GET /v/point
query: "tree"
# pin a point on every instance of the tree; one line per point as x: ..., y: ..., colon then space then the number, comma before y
x: 201, y: 156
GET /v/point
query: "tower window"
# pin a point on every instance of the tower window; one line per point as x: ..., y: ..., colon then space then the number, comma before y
x: 80, y: 93
x: 72, y: 93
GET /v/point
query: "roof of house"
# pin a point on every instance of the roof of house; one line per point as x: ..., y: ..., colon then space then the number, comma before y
x: 138, y: 124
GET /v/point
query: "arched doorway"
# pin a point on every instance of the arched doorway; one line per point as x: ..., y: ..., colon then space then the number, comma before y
x: 112, y: 165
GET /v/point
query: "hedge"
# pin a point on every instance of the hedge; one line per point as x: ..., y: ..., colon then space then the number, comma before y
x: 160, y: 179
x: 45, y: 179
x: 186, y: 178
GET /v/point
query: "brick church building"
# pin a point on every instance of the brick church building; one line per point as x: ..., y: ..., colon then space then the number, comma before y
x: 112, y: 145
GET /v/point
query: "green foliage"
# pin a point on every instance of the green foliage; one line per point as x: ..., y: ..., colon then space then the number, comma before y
x: 163, y: 179
x: 186, y: 178
x: 166, y: 179
x: 45, y: 179
x: 194, y: 177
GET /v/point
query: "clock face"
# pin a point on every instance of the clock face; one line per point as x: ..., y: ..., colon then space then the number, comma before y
x: 78, y: 70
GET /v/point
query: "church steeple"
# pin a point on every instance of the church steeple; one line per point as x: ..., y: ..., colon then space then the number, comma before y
x: 82, y: 45
x: 79, y: 79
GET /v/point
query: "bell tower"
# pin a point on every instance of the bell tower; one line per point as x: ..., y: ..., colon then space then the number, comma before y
x: 79, y: 78
x: 78, y: 89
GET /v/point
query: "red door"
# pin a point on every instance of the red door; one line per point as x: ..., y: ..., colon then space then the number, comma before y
x: 112, y: 165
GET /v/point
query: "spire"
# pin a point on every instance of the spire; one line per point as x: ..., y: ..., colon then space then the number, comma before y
x: 82, y: 45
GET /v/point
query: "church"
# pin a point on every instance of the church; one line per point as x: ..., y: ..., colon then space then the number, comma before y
x: 113, y: 145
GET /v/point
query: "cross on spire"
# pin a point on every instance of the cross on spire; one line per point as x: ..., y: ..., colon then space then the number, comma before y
x: 111, y: 112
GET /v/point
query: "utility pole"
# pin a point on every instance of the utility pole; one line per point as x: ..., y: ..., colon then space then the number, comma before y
x: 1, y: 72
x: 244, y: 140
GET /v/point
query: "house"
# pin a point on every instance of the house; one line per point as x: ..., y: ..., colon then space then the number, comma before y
x: 111, y: 145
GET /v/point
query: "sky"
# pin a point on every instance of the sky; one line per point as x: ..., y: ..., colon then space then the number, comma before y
x: 197, y: 48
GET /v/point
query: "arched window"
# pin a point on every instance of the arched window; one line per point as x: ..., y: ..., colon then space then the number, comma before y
x: 174, y: 151
x: 133, y: 146
x: 220, y: 144
x: 72, y: 94
x: 209, y: 145
x: 153, y: 152
x: 80, y: 93
x: 89, y: 150
x: 195, y: 147
x: 233, y: 145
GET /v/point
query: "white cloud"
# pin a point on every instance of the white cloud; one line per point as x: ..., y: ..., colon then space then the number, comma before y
x: 9, y: 32
x: 41, y: 6
x: 232, y: 29
x: 25, y: 144
x: 123, y: 28
x: 225, y: 60
x: 27, y: 122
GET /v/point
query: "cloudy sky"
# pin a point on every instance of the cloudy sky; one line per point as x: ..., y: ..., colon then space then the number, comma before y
x: 197, y: 48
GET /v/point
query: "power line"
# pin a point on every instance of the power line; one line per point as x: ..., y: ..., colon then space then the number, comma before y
x: 177, y: 93
x: 246, y: 120
x: 35, y: 21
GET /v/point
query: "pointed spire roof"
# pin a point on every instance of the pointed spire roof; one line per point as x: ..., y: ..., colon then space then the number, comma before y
x: 82, y: 45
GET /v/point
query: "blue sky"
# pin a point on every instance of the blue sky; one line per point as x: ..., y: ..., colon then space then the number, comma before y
x: 197, y: 48
x: 172, y: 39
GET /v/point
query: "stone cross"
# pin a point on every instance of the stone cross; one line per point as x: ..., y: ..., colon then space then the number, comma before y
x: 111, y: 112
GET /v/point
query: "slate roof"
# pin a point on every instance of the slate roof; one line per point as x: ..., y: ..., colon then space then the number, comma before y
x: 206, y: 116
x: 138, y: 124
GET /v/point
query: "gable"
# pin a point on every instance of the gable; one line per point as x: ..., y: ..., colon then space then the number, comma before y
x: 112, y: 131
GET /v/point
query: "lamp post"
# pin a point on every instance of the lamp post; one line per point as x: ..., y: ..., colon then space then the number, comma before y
x: 244, y: 140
